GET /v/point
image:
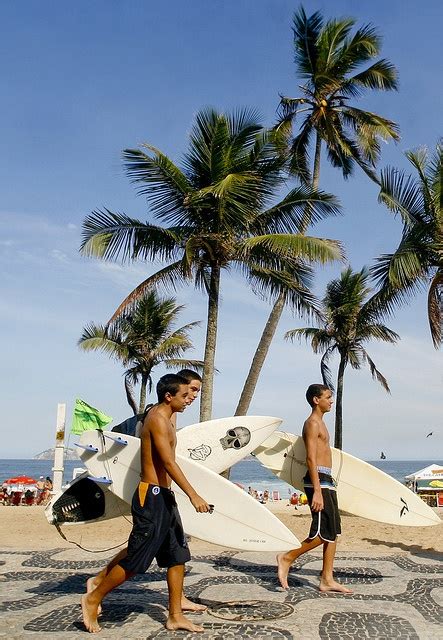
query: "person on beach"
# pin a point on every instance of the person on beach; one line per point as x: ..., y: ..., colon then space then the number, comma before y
x: 321, y: 493
x: 194, y: 381
x: 157, y: 531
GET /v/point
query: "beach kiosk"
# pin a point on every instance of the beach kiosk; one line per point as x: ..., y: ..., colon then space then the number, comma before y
x: 428, y: 483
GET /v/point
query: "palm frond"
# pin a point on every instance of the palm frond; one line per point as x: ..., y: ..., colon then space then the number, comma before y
x: 306, y: 32
x: 111, y: 236
x: 401, y: 194
x: 382, y: 75
x: 329, y: 43
x: 170, y: 276
x: 369, y: 123
x: 435, y: 309
x: 294, y: 245
x: 162, y: 182
x: 270, y: 284
x: 95, y: 337
x: 325, y: 371
x: 184, y: 363
x: 375, y: 331
x: 299, y: 153
x: 362, y: 46
x: 288, y: 216
x: 376, y: 374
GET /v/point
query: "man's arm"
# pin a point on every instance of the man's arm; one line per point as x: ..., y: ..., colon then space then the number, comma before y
x: 310, y: 436
x: 160, y: 438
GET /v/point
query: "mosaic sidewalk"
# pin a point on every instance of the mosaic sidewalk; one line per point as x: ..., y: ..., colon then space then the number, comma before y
x: 395, y: 597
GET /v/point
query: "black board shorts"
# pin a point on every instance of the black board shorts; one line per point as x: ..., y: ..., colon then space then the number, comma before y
x: 157, y: 530
x: 326, y: 523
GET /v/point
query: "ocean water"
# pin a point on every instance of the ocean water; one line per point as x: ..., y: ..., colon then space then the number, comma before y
x: 248, y: 472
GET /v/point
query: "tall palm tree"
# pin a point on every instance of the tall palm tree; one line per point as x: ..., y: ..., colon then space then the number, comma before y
x: 350, y: 319
x: 418, y: 260
x: 141, y: 339
x: 327, y: 57
x: 219, y: 215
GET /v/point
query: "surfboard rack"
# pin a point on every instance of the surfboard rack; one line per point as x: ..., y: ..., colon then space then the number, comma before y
x: 100, y: 480
x: 116, y: 439
x: 86, y: 447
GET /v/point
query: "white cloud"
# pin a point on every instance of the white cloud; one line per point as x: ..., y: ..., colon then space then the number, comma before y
x: 59, y: 255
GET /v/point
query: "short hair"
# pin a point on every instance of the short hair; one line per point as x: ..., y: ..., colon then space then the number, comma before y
x: 189, y: 375
x: 170, y: 383
x: 315, y: 391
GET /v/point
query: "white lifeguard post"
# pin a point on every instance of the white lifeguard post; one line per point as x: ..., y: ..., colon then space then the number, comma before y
x: 59, y: 449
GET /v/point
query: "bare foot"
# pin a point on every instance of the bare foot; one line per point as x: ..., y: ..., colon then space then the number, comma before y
x: 332, y: 586
x: 91, y: 584
x: 188, y: 605
x: 89, y: 612
x: 178, y: 621
x: 283, y: 567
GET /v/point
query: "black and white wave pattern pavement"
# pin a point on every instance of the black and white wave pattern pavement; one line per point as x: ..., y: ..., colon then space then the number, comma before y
x: 394, y: 597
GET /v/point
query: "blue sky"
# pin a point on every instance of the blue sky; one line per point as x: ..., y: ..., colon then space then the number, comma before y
x: 81, y: 81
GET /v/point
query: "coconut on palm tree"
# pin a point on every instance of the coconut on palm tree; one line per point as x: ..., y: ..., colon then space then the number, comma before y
x: 351, y: 318
x: 218, y: 214
x: 329, y: 58
x: 418, y: 260
x: 141, y: 339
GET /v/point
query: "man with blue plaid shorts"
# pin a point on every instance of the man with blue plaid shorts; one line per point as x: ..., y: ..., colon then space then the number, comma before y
x: 321, y: 493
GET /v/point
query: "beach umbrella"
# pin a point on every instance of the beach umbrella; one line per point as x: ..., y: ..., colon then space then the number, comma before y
x: 19, y: 483
x: 432, y: 471
x: 20, y: 480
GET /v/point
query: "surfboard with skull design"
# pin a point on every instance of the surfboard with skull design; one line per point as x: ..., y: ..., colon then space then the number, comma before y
x: 219, y: 444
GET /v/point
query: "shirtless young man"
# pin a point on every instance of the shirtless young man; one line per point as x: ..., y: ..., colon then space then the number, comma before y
x: 321, y: 494
x: 155, y: 512
x: 195, y: 382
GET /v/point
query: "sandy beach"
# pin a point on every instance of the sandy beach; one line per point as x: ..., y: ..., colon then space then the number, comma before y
x: 27, y: 528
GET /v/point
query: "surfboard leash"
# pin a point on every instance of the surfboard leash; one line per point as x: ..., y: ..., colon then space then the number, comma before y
x: 57, y: 526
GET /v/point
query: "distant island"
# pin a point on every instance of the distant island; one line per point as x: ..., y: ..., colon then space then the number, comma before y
x: 70, y: 454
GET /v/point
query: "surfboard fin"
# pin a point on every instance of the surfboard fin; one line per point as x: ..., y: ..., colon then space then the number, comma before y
x: 116, y: 439
x: 101, y: 480
x: 87, y: 447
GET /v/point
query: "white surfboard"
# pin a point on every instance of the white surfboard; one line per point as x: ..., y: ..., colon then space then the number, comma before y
x: 216, y: 444
x: 362, y: 489
x: 238, y: 521
x: 219, y: 444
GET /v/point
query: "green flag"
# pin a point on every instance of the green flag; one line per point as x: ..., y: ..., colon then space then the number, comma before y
x: 87, y: 418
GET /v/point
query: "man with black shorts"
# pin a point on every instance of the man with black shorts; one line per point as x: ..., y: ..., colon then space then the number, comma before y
x: 321, y: 493
x: 194, y: 381
x: 157, y: 530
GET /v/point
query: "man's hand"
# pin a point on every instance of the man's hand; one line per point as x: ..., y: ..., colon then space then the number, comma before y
x: 317, y: 501
x: 200, y: 505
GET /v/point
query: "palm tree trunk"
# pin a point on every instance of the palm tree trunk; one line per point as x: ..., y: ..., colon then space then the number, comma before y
x: 260, y: 356
x: 339, y: 405
x: 143, y: 386
x: 316, y: 170
x: 210, y: 346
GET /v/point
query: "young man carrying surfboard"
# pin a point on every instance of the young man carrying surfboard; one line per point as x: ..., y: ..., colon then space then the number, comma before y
x: 157, y: 531
x: 195, y: 382
x: 321, y: 494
